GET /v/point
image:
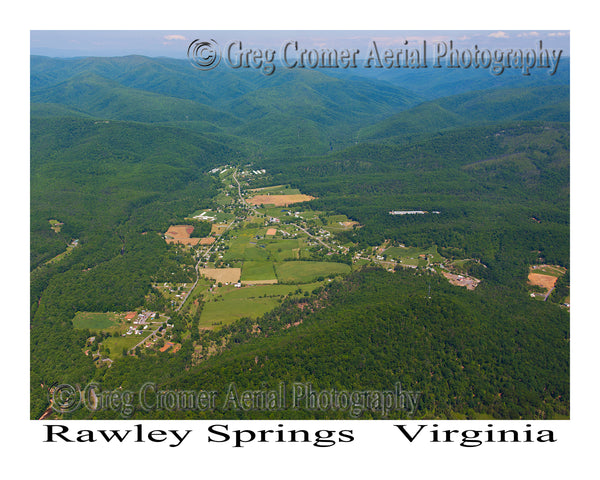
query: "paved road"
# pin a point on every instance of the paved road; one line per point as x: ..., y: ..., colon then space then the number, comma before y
x: 211, y: 247
x: 145, y: 339
x: 240, y: 190
x: 312, y: 236
x: 198, y: 266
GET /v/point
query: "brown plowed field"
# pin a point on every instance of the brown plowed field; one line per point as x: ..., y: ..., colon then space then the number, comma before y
x: 224, y: 275
x: 545, y: 281
x: 181, y: 234
x: 279, y: 200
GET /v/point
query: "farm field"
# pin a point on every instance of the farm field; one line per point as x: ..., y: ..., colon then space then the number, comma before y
x: 277, y: 212
x: 224, y: 311
x: 96, y: 320
x: 224, y: 275
x: 218, y: 228
x: 228, y: 303
x: 339, y: 223
x: 542, y: 280
x: 279, y: 200
x: 219, y: 217
x: 552, y: 270
x: 304, y: 272
x: 310, y: 215
x: 543, y: 277
x: 257, y: 271
x: 282, y: 249
x: 277, y: 190
x: 116, y: 345
x: 240, y: 250
x: 224, y: 199
x: 412, y: 255
x: 181, y: 234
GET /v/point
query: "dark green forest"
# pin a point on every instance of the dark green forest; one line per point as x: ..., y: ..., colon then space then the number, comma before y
x: 121, y: 149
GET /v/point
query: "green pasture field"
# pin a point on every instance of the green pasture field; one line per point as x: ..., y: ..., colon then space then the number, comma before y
x: 223, y: 199
x: 230, y: 304
x: 274, y: 212
x: 304, y: 272
x: 96, y: 320
x: 410, y: 255
x: 223, y: 311
x: 336, y: 219
x: 220, y: 217
x: 244, y: 246
x: 278, y: 190
x: 282, y: 249
x: 333, y: 223
x: 310, y: 214
x: 117, y: 344
x: 257, y: 271
x: 554, y: 271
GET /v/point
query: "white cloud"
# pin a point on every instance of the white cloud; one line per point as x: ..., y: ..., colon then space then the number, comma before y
x: 557, y: 34
x: 174, y: 37
x: 498, y: 35
x: 528, y: 34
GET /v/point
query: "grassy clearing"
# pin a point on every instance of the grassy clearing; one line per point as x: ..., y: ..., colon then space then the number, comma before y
x: 278, y: 190
x: 243, y: 246
x: 219, y: 217
x: 224, y: 199
x: 95, y: 320
x: 337, y: 219
x: 55, y: 225
x: 117, y: 344
x: 412, y: 255
x: 552, y: 270
x: 310, y: 214
x: 282, y: 249
x: 257, y: 271
x: 305, y: 272
x: 62, y: 255
x: 276, y: 212
x: 223, y: 311
x: 228, y: 304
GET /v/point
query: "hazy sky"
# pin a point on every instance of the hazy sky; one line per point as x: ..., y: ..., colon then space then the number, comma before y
x: 173, y: 43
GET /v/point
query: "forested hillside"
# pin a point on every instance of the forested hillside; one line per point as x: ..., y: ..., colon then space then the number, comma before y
x: 123, y: 148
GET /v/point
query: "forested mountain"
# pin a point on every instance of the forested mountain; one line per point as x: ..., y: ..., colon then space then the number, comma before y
x: 295, y: 112
x: 474, y: 108
x: 121, y: 148
x: 445, y: 82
